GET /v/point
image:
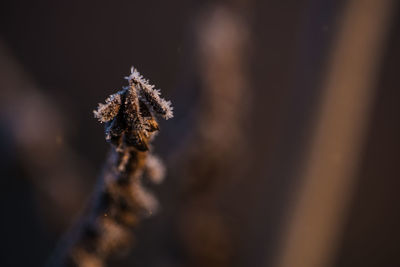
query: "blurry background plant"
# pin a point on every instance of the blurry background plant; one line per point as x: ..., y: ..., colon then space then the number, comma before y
x: 249, y: 168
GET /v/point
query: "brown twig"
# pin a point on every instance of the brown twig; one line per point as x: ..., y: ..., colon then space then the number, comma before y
x: 121, y: 201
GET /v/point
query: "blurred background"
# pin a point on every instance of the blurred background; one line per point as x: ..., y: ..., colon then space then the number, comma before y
x: 284, y: 148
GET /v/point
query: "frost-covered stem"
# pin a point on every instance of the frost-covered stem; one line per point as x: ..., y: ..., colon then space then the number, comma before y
x: 120, y: 201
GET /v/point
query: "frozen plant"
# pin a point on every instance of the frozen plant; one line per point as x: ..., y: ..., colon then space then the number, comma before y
x: 120, y: 201
x: 129, y: 113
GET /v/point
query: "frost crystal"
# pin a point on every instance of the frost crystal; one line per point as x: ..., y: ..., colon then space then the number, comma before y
x: 150, y: 95
x: 106, y: 112
x: 129, y: 114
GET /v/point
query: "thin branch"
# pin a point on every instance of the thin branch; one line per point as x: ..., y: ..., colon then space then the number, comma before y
x: 120, y: 201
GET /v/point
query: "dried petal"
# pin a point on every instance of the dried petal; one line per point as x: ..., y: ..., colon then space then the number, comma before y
x: 106, y: 112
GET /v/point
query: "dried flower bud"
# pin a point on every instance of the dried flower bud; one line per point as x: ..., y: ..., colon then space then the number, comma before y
x: 128, y: 114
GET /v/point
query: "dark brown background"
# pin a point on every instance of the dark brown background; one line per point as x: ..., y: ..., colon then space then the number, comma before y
x: 76, y: 53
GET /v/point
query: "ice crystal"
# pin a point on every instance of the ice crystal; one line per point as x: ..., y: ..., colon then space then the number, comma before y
x: 150, y: 95
x: 129, y: 115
